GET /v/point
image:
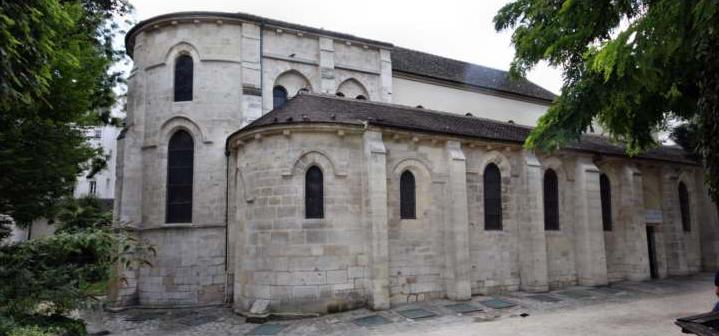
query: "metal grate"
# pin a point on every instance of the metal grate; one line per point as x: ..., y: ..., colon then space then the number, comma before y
x: 463, y: 308
x: 498, y: 303
x: 267, y: 329
x: 416, y: 313
x: 371, y: 320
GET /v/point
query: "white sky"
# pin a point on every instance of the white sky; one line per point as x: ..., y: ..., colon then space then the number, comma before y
x: 456, y: 29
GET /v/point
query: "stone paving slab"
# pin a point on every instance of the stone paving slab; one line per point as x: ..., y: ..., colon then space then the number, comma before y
x: 193, y: 321
x: 267, y: 329
x: 223, y: 321
x: 576, y: 294
x: 143, y: 316
x: 607, y: 290
x: 498, y: 303
x: 544, y: 298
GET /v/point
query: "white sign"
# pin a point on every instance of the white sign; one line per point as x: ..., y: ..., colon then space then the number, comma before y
x: 653, y: 216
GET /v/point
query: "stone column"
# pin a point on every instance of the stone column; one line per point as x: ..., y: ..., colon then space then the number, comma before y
x: 532, y: 240
x: 588, y: 232
x: 251, y: 73
x: 632, y: 216
x: 385, y: 76
x: 457, y: 225
x: 672, y: 226
x: 327, y: 65
x: 375, y: 156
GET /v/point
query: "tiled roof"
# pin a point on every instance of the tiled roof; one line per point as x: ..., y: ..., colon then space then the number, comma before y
x: 315, y: 108
x: 437, y: 67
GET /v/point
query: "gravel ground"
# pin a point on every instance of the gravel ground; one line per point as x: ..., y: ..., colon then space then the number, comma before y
x: 626, y: 308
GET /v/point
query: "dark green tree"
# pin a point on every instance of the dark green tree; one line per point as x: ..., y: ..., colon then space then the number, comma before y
x: 630, y: 65
x: 55, y: 81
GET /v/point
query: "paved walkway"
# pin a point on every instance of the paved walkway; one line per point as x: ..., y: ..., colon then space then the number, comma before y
x: 626, y: 308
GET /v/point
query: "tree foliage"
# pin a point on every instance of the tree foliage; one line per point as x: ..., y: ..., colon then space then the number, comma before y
x: 44, y: 280
x: 630, y: 65
x: 78, y: 215
x: 55, y: 58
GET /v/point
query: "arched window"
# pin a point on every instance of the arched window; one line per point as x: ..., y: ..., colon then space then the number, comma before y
x: 183, y: 78
x: 407, y: 196
x: 551, y: 200
x: 180, y: 158
x: 339, y: 94
x: 361, y: 97
x: 492, y: 198
x: 314, y: 193
x: 605, y: 191
x: 279, y: 96
x: 684, y: 207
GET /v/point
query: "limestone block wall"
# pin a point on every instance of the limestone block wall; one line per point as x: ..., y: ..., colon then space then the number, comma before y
x: 363, y: 253
x: 493, y: 254
x: 561, y: 270
x: 190, y: 265
x: 323, y: 65
x: 281, y: 256
x: 416, y: 246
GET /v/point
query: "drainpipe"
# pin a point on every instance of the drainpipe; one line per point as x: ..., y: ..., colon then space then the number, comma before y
x: 227, y: 226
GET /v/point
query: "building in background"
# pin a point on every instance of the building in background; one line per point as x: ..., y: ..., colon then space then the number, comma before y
x: 101, y: 185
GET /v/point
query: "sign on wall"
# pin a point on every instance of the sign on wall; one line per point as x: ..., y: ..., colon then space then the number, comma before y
x: 653, y: 216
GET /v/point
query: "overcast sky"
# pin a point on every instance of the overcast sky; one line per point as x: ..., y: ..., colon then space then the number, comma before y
x: 461, y: 30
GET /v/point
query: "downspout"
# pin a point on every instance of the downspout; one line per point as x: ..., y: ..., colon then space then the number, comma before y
x: 227, y: 222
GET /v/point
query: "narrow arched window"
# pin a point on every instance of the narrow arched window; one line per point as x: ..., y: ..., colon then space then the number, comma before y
x: 361, y: 97
x: 183, y: 78
x: 605, y: 191
x: 407, y: 196
x: 339, y: 94
x: 279, y: 96
x: 314, y: 193
x: 492, y: 198
x: 684, y: 207
x: 551, y: 200
x: 180, y: 158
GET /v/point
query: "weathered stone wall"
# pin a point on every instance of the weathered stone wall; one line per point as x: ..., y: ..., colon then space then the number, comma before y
x: 362, y: 253
x: 416, y: 247
x: 493, y: 254
x: 300, y: 263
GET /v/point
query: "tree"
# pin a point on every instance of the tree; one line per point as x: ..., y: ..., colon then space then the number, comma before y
x: 55, y: 82
x: 55, y: 57
x: 44, y: 280
x: 630, y: 65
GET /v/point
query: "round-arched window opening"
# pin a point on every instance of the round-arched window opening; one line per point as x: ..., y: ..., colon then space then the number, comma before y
x: 339, y: 94
x: 303, y: 91
x: 279, y: 96
x: 361, y: 97
x: 420, y: 106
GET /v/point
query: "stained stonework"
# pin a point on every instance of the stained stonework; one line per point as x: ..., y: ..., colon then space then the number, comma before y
x: 249, y: 238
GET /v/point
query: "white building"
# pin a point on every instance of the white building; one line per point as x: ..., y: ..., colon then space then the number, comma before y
x: 101, y: 185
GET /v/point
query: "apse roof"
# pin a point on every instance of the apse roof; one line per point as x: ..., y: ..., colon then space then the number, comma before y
x: 311, y: 108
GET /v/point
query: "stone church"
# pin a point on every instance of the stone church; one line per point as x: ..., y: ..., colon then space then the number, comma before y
x: 320, y: 171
